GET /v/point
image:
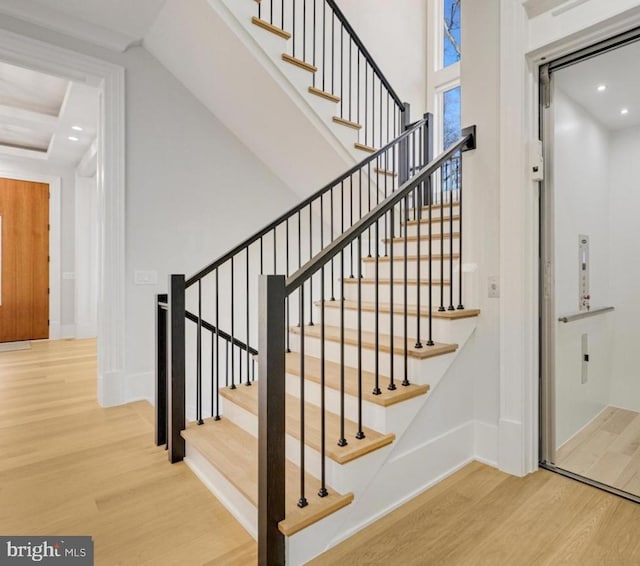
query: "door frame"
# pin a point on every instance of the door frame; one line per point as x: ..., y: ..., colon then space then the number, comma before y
x: 55, y: 245
x: 548, y: 320
x: 110, y: 79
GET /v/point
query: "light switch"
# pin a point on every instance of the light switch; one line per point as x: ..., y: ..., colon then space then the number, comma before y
x: 146, y: 278
x: 494, y: 288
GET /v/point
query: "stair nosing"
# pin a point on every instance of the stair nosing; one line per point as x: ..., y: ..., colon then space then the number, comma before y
x: 369, y: 306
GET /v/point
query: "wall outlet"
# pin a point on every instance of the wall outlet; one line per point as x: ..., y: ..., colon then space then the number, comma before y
x: 145, y: 278
x: 494, y: 287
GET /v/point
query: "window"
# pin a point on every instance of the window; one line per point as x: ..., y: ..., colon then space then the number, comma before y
x: 451, y: 29
x: 444, y: 56
x: 451, y: 127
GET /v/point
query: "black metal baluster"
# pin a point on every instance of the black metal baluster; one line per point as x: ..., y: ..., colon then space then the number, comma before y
x: 350, y: 76
x: 282, y: 14
x: 405, y: 352
x: 199, y: 358
x: 324, y: 45
x: 217, y: 417
x: 304, y: 30
x: 226, y: 362
x: 430, y: 228
x: 233, y: 373
x: 366, y: 103
x: 441, y: 205
x: 460, y: 303
x: 360, y: 434
x: 310, y: 256
x: 323, y: 449
x: 376, y: 388
x: 369, y: 198
x: 302, y: 502
x: 392, y: 385
x: 293, y: 28
x: 341, y: 70
x: 351, y: 220
x: 271, y: 12
x: 261, y: 257
x: 248, y: 320
x: 314, y: 40
x: 418, y: 196
x: 286, y: 304
x: 333, y: 52
x: 333, y: 295
x: 342, y: 441
x: 451, y: 307
x: 214, y: 381
x: 275, y: 247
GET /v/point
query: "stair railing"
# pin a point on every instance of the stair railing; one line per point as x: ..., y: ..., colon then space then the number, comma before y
x: 323, y: 42
x: 221, y: 300
x: 433, y: 181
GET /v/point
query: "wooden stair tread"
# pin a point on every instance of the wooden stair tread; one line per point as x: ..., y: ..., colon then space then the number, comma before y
x: 386, y: 281
x: 348, y: 123
x: 397, y: 257
x: 324, y: 94
x: 247, y: 398
x: 332, y: 334
x: 299, y: 63
x: 412, y: 310
x: 423, y: 237
x: 234, y: 453
x: 437, y: 206
x: 364, y: 147
x: 270, y: 27
x: 313, y: 369
x: 385, y: 172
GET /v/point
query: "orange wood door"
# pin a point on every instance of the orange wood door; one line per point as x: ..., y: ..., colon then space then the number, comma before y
x: 24, y: 287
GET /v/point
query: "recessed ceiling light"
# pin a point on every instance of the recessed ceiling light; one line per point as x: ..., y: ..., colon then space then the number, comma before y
x: 73, y: 138
x: 77, y: 128
x: 624, y: 111
x: 602, y: 88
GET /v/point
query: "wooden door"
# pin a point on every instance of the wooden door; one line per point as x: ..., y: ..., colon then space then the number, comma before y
x: 24, y: 260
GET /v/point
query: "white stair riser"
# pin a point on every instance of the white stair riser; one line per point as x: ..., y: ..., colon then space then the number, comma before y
x: 412, y: 247
x: 384, y: 268
x: 384, y: 294
x: 332, y: 353
x: 443, y: 330
x: 436, y: 227
x: 373, y: 416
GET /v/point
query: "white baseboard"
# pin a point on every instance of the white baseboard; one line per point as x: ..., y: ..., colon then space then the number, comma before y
x: 139, y: 386
x: 486, y: 443
x: 511, y: 448
x: 86, y: 330
x: 110, y: 389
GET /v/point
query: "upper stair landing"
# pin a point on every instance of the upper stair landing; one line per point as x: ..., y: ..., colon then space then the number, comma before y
x: 244, y: 74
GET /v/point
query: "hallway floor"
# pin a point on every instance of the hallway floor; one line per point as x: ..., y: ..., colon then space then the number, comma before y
x: 70, y: 467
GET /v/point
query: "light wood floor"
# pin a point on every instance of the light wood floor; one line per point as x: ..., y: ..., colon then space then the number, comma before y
x: 482, y: 517
x: 608, y: 450
x: 69, y: 467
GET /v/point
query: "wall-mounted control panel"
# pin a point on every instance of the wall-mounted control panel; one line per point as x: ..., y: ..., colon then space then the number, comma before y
x: 584, y: 297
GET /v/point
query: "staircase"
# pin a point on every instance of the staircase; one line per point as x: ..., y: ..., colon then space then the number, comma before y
x: 293, y: 372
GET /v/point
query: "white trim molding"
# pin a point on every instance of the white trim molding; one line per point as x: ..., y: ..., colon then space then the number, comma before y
x: 110, y: 78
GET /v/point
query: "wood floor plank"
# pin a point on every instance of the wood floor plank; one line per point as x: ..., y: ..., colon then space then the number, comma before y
x: 70, y: 467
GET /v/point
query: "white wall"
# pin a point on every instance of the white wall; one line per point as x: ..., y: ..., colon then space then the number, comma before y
x: 480, y: 73
x: 582, y: 197
x: 193, y: 190
x: 625, y: 267
x: 26, y: 167
x: 395, y: 33
x: 86, y: 257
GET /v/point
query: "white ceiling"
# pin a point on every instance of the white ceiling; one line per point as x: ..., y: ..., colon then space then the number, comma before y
x: 38, y: 113
x: 115, y: 24
x: 619, y: 70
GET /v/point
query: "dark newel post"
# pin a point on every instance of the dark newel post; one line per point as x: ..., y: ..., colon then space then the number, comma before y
x: 427, y: 156
x: 177, y: 367
x: 161, y: 369
x: 403, y: 172
x: 271, y: 420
